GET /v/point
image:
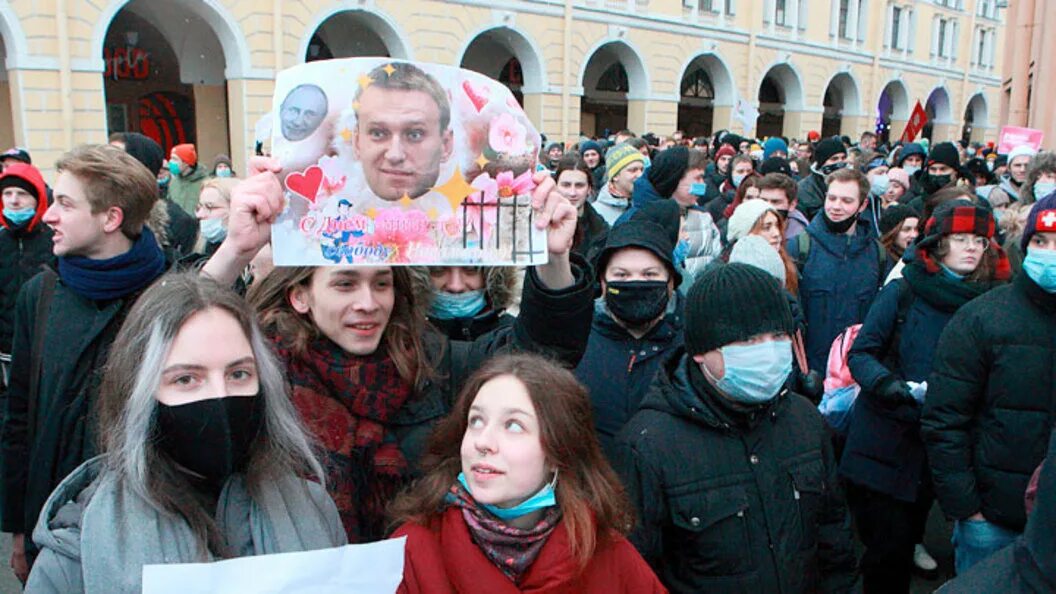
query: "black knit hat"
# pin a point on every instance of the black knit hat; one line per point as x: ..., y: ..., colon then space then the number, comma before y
x: 946, y: 154
x: 667, y: 170
x: 16, y: 181
x: 734, y: 302
x: 666, y: 213
x: 895, y: 215
x: 643, y: 234
x: 775, y: 165
x: 825, y: 149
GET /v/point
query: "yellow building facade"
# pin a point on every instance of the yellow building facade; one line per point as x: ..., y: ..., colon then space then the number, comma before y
x: 203, y: 70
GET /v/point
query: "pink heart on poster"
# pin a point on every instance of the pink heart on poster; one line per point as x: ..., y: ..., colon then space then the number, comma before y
x: 306, y: 184
x: 479, y: 98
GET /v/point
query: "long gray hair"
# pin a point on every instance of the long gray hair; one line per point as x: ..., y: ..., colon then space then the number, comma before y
x: 128, y: 404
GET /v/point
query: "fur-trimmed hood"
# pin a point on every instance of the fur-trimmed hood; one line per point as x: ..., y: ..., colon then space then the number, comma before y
x: 500, y: 285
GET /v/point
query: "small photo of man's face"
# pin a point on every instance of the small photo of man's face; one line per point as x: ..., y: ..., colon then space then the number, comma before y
x: 302, y: 111
x: 399, y: 141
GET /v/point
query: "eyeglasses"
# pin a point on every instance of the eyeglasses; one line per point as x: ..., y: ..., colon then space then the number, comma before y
x: 965, y: 240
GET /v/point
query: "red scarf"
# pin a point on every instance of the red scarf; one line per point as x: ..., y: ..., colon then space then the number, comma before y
x: 347, y: 401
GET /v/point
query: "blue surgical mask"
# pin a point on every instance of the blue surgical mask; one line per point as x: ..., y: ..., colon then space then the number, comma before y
x: 754, y: 373
x: 223, y: 173
x: 454, y: 306
x: 1040, y: 266
x: 737, y: 179
x: 680, y: 253
x: 878, y: 184
x: 648, y: 162
x: 544, y: 498
x: 164, y: 183
x: 911, y: 170
x: 1043, y: 189
x: 174, y: 168
x: 698, y: 188
x: 19, y: 216
x: 990, y: 165
x: 213, y: 230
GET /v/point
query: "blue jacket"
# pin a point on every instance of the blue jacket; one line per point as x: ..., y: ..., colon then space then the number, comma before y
x: 884, y: 451
x: 618, y: 369
x: 643, y: 194
x: 838, y: 281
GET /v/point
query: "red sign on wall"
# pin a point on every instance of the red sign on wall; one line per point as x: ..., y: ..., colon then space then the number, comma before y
x: 126, y: 63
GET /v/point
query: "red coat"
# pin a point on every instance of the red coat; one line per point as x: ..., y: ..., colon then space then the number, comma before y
x: 444, y: 560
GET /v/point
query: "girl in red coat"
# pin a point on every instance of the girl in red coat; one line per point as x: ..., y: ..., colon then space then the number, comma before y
x: 517, y: 496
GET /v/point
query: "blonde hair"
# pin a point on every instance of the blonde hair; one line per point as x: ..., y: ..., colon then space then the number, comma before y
x: 113, y: 178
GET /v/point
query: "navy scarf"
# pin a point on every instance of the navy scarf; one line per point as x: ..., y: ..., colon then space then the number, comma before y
x: 113, y: 278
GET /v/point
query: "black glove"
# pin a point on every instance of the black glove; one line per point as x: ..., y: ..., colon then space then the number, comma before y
x: 895, y: 392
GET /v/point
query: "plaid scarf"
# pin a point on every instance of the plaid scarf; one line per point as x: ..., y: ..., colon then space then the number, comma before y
x: 347, y: 402
x: 511, y: 549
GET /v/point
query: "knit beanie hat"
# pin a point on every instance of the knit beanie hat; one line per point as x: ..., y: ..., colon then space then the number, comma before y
x: 145, y: 150
x: 758, y: 252
x: 896, y: 214
x: 590, y: 145
x: 945, y: 153
x: 619, y: 157
x: 900, y: 177
x: 813, y: 136
x: 775, y: 165
x: 773, y: 145
x: 1022, y: 150
x: 734, y: 302
x: 725, y: 151
x: 1042, y: 219
x: 744, y: 218
x: 642, y: 234
x: 826, y: 149
x: 186, y: 153
x: 667, y: 170
x: 909, y: 150
x: 16, y: 177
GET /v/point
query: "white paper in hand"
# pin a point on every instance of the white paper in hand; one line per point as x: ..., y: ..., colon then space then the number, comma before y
x: 375, y: 568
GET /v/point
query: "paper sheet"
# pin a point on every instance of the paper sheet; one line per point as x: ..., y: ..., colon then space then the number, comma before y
x: 375, y: 568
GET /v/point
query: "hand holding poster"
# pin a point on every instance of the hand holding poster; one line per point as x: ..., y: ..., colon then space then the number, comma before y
x: 390, y: 162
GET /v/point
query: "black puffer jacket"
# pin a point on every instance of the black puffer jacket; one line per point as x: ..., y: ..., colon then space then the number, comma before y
x: 23, y: 249
x: 991, y: 402
x: 811, y: 195
x: 734, y: 502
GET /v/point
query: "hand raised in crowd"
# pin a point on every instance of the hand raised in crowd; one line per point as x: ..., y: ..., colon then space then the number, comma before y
x: 554, y: 213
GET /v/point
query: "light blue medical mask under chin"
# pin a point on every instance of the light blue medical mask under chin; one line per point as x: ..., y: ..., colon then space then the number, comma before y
x: 878, y: 184
x: 213, y: 230
x: 454, y: 306
x: 1043, y: 189
x: 911, y: 170
x: 1040, y: 266
x: 544, y: 498
x: 755, y: 373
x: 19, y: 216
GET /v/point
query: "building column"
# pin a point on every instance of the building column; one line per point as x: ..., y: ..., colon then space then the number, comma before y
x: 853, y: 126
x: 637, y: 116
x: 247, y: 101
x: 661, y: 117
x: 210, y: 123
x: 944, y: 132
x: 798, y: 123
x: 721, y: 118
x: 898, y: 127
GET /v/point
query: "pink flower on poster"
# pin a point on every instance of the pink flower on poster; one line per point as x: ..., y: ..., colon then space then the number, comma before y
x: 507, y: 135
x: 482, y: 209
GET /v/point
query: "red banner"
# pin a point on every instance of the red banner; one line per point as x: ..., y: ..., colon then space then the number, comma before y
x: 916, y: 123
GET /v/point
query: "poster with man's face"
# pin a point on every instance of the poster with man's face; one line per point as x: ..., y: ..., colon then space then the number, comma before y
x: 391, y: 162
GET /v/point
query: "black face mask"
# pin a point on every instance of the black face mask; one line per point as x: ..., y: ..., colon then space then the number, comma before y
x: 636, y: 302
x: 841, y: 227
x: 211, y: 438
x: 832, y: 168
x: 933, y: 183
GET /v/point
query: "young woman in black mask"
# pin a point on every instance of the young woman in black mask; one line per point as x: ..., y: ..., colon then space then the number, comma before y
x: 204, y: 455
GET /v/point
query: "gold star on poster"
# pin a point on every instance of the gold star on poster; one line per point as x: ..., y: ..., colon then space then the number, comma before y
x: 482, y: 161
x: 355, y: 105
x: 432, y: 214
x: 455, y: 189
x: 365, y: 81
x: 389, y: 69
x: 372, y: 212
x: 346, y: 135
x: 406, y: 200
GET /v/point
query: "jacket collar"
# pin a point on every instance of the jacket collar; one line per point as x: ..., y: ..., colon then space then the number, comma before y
x: 1045, y: 301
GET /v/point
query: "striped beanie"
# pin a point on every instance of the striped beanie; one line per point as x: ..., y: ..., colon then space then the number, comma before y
x: 621, y: 156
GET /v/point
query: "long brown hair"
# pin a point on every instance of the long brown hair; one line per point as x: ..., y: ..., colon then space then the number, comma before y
x: 791, y: 272
x: 402, y: 338
x: 593, y: 502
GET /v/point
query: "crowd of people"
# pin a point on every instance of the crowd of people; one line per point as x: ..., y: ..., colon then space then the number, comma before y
x: 749, y: 365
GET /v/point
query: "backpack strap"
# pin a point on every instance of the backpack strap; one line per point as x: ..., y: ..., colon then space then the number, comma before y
x: 36, y: 358
x: 802, y: 250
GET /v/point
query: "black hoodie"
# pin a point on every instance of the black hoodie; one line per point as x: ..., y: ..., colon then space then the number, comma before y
x: 182, y: 231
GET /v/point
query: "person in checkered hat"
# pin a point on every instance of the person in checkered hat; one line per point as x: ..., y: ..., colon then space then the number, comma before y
x: 991, y: 401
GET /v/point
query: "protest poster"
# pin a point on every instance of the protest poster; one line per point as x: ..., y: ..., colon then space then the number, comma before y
x: 1013, y: 136
x: 388, y: 162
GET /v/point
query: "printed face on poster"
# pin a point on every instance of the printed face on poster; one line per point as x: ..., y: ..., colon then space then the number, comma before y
x: 388, y: 162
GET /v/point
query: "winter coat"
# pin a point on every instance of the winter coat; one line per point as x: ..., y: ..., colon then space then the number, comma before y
x: 37, y: 453
x: 618, y: 369
x: 991, y: 402
x: 184, y: 189
x: 591, y: 233
x: 610, y: 207
x: 598, y: 174
x: 182, y: 231
x: 95, y: 536
x: 643, y: 194
x: 705, y: 245
x: 795, y: 224
x: 727, y: 503
x: 1027, y: 566
x: 21, y: 256
x: 1006, y: 192
x: 884, y: 451
x: 838, y: 281
x: 443, y: 559
x: 811, y: 195
x: 553, y: 323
